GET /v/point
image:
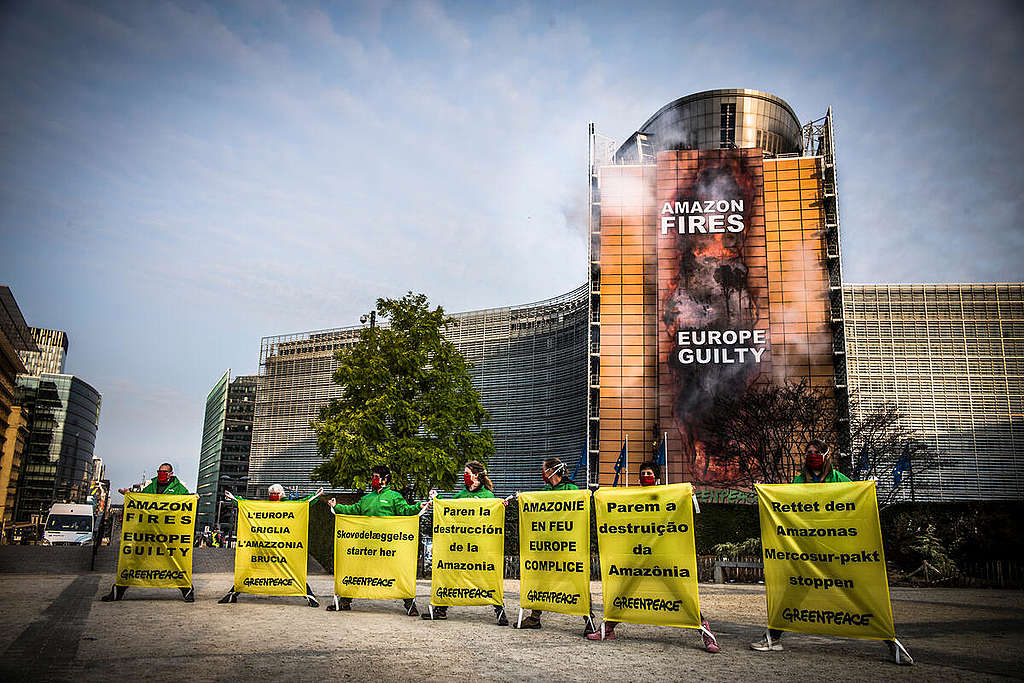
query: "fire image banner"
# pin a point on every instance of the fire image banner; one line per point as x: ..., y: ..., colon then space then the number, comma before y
x: 271, y: 555
x: 648, y: 555
x: 375, y: 557
x: 824, y: 566
x: 554, y: 551
x: 469, y: 552
x: 156, y: 540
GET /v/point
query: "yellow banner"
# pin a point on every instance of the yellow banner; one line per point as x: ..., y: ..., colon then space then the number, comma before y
x: 271, y: 555
x: 375, y: 557
x: 469, y: 552
x: 648, y: 556
x: 824, y: 567
x: 156, y: 540
x: 554, y: 551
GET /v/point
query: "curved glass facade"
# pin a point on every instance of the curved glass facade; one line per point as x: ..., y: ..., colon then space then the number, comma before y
x: 717, y: 119
x: 529, y: 365
x: 63, y: 415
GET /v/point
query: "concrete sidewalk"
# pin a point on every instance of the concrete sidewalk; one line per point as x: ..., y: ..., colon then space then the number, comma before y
x: 52, y: 627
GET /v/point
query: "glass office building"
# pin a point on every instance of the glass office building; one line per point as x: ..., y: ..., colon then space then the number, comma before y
x: 528, y: 363
x: 62, y: 413
x: 714, y: 264
x: 951, y: 358
x: 224, y: 454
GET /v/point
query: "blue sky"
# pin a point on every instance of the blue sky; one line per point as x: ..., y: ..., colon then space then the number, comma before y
x: 178, y: 180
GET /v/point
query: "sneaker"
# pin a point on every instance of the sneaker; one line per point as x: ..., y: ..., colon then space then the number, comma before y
x: 763, y: 646
x: 709, y: 643
x: 311, y: 602
x: 230, y: 597
x: 412, y: 611
x: 609, y: 634
x: 528, y: 622
x: 587, y: 628
x: 502, y: 620
x: 900, y: 657
x: 190, y: 596
x: 438, y: 615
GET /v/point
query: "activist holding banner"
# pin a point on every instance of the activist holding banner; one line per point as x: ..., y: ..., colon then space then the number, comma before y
x: 650, y: 475
x: 547, y: 540
x: 824, y: 564
x: 469, y: 547
x: 556, y: 478
x: 383, y: 501
x: 271, y: 555
x: 152, y: 532
x: 648, y: 555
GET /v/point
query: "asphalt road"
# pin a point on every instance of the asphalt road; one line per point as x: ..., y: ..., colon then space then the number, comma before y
x: 53, y: 628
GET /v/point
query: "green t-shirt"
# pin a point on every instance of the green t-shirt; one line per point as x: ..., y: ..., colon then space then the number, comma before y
x: 384, y: 503
x: 834, y: 477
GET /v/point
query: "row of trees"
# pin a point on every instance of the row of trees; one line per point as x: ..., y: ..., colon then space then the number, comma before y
x: 408, y: 401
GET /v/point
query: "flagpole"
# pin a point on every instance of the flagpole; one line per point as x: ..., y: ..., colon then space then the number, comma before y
x: 627, y: 460
x: 664, y: 438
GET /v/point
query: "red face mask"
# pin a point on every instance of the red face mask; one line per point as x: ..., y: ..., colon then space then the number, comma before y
x: 163, y: 477
x: 647, y: 479
x: 815, y: 461
x: 274, y: 496
x: 467, y: 478
x: 376, y: 483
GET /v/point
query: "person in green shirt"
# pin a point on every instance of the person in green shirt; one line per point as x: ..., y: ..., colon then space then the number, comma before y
x: 165, y: 482
x: 818, y: 469
x: 274, y: 493
x: 382, y: 501
x: 554, y: 472
x: 477, y: 485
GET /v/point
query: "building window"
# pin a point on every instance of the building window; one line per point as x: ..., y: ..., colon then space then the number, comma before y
x: 728, y: 138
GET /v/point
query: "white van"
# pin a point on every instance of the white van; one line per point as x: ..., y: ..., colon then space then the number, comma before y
x: 68, y: 524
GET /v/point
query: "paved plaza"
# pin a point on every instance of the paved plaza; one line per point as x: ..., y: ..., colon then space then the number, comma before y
x: 53, y: 627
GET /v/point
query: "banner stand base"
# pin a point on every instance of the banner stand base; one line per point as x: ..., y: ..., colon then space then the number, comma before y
x: 900, y: 649
x: 711, y: 635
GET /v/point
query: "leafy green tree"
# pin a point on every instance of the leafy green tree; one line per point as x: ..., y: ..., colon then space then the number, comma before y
x: 407, y: 402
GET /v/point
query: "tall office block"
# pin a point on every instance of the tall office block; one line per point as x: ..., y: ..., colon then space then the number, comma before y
x: 62, y: 413
x: 714, y: 265
x: 52, y: 351
x: 227, y: 439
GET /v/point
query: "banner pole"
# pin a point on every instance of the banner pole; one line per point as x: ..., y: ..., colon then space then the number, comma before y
x: 519, y: 622
x: 627, y: 461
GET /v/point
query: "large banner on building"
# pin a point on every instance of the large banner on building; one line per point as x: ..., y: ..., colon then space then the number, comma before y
x: 824, y: 567
x: 469, y: 552
x: 648, y: 556
x: 713, y: 313
x: 554, y: 551
x: 375, y: 557
x: 156, y: 540
x: 271, y: 555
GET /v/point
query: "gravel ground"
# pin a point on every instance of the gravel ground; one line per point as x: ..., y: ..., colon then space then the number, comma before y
x: 153, y: 635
